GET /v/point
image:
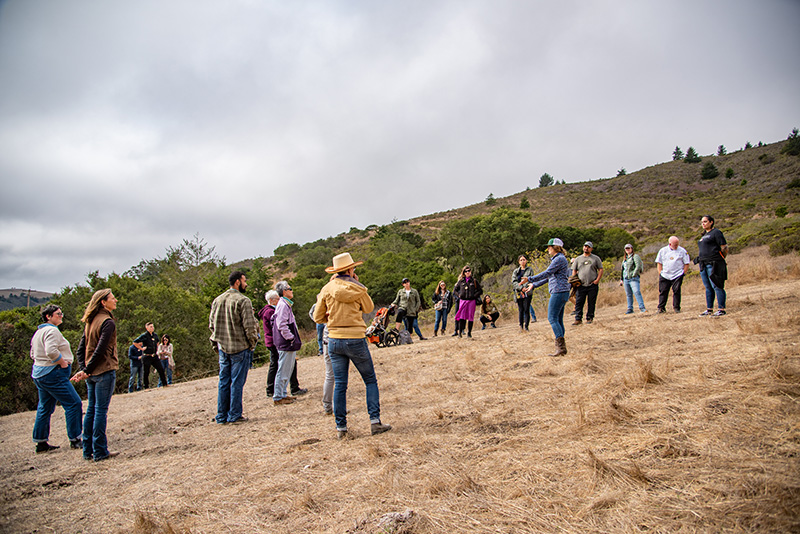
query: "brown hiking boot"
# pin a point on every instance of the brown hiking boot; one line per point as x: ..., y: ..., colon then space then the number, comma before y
x: 577, y: 322
x: 561, y: 347
x: 379, y: 428
x: 285, y: 400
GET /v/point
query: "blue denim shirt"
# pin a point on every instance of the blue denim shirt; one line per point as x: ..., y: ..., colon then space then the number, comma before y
x: 556, y: 274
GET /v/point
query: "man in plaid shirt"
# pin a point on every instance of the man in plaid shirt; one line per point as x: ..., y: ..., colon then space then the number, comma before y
x: 234, y: 334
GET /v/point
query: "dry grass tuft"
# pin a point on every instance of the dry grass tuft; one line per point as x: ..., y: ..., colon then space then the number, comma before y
x: 145, y: 524
x: 605, y: 469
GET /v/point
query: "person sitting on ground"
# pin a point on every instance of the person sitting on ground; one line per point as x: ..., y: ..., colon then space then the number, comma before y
x: 489, y: 313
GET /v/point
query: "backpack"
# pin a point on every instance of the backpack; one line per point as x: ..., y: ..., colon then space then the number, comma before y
x: 405, y: 337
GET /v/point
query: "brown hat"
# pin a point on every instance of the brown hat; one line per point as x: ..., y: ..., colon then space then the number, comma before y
x: 342, y: 262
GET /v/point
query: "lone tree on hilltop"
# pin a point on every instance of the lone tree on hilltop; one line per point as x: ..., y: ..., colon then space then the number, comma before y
x: 721, y: 150
x: 709, y: 171
x: 622, y: 172
x: 692, y: 156
x: 490, y: 200
x: 748, y: 145
x: 545, y: 180
x: 792, y: 146
x: 677, y: 154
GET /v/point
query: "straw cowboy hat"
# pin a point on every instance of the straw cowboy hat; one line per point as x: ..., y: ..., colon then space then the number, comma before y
x: 342, y: 262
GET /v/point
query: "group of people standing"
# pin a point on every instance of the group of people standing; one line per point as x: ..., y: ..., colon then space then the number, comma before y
x: 147, y: 351
x: 340, y: 307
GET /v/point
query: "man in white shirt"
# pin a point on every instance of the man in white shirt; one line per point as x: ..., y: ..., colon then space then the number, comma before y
x: 673, y: 263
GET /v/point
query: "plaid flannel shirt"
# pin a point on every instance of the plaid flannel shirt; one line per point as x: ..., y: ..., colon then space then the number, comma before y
x: 232, y: 322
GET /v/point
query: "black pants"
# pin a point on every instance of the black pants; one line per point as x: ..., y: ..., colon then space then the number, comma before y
x: 494, y: 316
x: 664, y: 286
x: 148, y: 360
x: 586, y: 294
x: 273, y: 370
x: 524, y: 306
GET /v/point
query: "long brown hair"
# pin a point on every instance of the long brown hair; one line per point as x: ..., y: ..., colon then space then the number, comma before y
x: 95, y: 305
x: 439, y: 287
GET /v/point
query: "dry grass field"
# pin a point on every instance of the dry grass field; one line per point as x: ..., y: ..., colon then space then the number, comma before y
x: 671, y: 423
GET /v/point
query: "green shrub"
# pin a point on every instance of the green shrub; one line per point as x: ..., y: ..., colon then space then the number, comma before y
x: 524, y: 204
x: 729, y: 173
x: 692, y: 156
x: 743, y: 182
x: 677, y: 154
x: 794, y: 184
x: 781, y: 212
x: 721, y: 150
x: 490, y: 200
x: 709, y: 171
x: 792, y: 146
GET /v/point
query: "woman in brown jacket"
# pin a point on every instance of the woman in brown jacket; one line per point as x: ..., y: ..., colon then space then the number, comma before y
x: 97, y: 357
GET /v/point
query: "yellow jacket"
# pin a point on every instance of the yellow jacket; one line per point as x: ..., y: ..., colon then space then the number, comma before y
x: 341, y: 304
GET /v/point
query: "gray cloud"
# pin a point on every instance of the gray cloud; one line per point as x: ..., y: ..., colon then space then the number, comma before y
x: 128, y: 126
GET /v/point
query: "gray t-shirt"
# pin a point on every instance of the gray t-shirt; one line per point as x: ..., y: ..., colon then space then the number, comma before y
x: 587, y: 267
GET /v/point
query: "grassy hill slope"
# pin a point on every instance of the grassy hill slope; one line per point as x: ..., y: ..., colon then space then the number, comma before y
x: 657, y: 423
x: 666, y: 199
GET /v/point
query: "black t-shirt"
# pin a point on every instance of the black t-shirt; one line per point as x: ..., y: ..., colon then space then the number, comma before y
x: 711, y: 245
x: 149, y: 343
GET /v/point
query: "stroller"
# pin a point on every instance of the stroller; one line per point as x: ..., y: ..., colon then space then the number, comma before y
x: 378, y: 333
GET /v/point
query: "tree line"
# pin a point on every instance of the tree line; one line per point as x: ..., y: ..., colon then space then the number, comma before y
x: 175, y: 292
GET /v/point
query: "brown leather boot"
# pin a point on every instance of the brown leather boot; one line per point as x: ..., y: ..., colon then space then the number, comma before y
x: 561, y: 347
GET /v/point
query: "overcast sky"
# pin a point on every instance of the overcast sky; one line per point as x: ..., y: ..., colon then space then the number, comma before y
x: 127, y: 126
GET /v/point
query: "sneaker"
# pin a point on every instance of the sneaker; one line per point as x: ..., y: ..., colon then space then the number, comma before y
x: 494, y: 325
x: 628, y: 312
x: 662, y: 311
x: 719, y: 313
x: 239, y: 421
x: 455, y: 334
x: 106, y: 457
x: 76, y: 444
x: 469, y: 334
x: 533, y: 320
x: 676, y: 310
x: 285, y: 400
x: 378, y: 428
x: 422, y: 338
x: 589, y: 321
x: 707, y: 312
x: 328, y: 411
x: 43, y: 446
x: 483, y: 327
x: 300, y: 391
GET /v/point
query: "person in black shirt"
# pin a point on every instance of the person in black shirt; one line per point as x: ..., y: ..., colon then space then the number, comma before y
x: 148, y: 343
x: 713, y: 269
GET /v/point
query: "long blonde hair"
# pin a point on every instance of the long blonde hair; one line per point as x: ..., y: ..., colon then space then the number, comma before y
x: 461, y: 276
x: 95, y: 304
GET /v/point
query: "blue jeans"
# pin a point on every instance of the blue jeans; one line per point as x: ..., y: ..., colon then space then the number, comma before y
x: 168, y: 372
x: 555, y: 312
x: 56, y: 387
x: 136, y: 373
x: 633, y: 288
x: 232, y: 376
x: 441, y: 316
x: 320, y: 336
x: 342, y: 352
x: 411, y: 322
x: 711, y: 288
x: 99, y: 388
x: 286, y: 362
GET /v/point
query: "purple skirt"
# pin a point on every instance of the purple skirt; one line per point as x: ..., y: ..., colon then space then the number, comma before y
x: 466, y: 310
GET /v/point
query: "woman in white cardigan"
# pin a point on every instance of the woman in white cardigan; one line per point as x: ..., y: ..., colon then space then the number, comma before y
x: 52, y: 364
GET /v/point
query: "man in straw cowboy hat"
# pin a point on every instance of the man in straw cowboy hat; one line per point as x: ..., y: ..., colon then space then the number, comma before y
x: 341, y: 304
